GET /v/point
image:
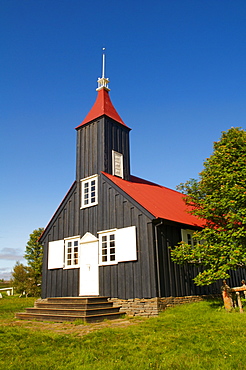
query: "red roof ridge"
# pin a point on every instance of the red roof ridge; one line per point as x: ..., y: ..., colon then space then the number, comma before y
x: 147, y: 182
x: 102, y: 106
x: 160, y: 201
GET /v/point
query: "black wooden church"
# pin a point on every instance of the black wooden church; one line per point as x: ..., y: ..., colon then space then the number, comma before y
x: 111, y: 234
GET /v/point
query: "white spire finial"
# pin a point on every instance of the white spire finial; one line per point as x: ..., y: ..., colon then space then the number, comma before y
x: 103, y: 81
x: 103, y: 63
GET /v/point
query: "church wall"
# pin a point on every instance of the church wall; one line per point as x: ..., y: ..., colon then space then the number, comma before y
x: 177, y: 280
x: 64, y: 223
x: 127, y: 279
x: 124, y: 280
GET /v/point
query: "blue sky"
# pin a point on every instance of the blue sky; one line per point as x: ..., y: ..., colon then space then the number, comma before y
x: 177, y: 72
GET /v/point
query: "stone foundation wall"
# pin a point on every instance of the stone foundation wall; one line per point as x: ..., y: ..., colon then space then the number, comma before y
x: 151, y: 306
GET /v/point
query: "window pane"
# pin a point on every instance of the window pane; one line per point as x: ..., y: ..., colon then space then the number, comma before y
x: 189, y: 239
x: 112, y: 258
x: 76, y: 259
x: 104, y: 258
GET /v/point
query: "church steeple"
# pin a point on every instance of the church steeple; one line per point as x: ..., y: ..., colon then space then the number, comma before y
x: 103, y: 104
x: 103, y: 138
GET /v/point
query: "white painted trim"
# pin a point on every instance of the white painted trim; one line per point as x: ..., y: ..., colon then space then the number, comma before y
x: 72, y: 237
x: 106, y: 231
x: 72, y: 266
x: 120, y: 156
x: 184, y: 237
x: 88, y: 238
x: 82, y: 182
x: 101, y: 235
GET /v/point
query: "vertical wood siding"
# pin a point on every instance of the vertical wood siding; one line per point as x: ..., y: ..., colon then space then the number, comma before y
x: 59, y: 282
x: 95, y: 143
x: 177, y: 280
x: 127, y: 279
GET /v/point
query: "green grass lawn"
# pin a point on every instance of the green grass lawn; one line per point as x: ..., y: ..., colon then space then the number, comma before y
x: 193, y: 336
x: 5, y: 284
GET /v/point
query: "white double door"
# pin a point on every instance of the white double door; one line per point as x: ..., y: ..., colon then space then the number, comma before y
x: 89, y: 282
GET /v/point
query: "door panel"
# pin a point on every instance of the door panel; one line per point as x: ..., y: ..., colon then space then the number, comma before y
x: 89, y: 284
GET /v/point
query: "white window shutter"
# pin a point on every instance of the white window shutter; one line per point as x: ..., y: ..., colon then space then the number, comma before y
x: 126, y: 246
x: 117, y: 164
x: 56, y: 254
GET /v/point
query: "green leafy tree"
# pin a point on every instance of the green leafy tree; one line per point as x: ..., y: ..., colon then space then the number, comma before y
x: 20, y: 278
x: 34, y: 257
x: 34, y: 251
x: 219, y: 198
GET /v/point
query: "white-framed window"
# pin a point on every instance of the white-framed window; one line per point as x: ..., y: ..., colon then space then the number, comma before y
x: 72, y: 252
x: 117, y: 164
x: 107, y: 255
x: 89, y: 191
x: 187, y: 237
x: 117, y: 245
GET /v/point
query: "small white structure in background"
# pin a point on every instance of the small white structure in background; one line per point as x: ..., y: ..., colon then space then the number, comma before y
x: 9, y: 290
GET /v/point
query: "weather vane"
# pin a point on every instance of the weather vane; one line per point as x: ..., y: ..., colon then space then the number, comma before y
x: 103, y: 81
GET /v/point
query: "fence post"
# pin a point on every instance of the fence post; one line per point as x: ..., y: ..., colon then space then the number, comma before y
x: 239, y: 302
x: 226, y: 294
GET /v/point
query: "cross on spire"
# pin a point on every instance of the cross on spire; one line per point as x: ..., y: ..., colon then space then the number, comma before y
x: 103, y: 81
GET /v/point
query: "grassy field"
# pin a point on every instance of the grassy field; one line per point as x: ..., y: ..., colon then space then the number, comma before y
x: 193, y: 336
x: 5, y: 284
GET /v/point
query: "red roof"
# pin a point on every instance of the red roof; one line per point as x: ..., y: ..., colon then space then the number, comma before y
x: 160, y: 201
x: 102, y: 105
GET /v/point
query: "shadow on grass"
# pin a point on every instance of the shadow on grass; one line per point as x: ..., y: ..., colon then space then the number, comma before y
x: 215, y: 302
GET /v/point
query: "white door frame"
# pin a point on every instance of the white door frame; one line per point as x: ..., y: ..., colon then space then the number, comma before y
x: 89, y: 277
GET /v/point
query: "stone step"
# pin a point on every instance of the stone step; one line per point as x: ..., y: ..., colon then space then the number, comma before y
x: 46, y: 304
x: 61, y: 318
x: 72, y: 312
x: 92, y: 299
x: 87, y: 309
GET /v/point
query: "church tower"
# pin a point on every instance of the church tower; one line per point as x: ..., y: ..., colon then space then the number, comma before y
x: 102, y: 138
